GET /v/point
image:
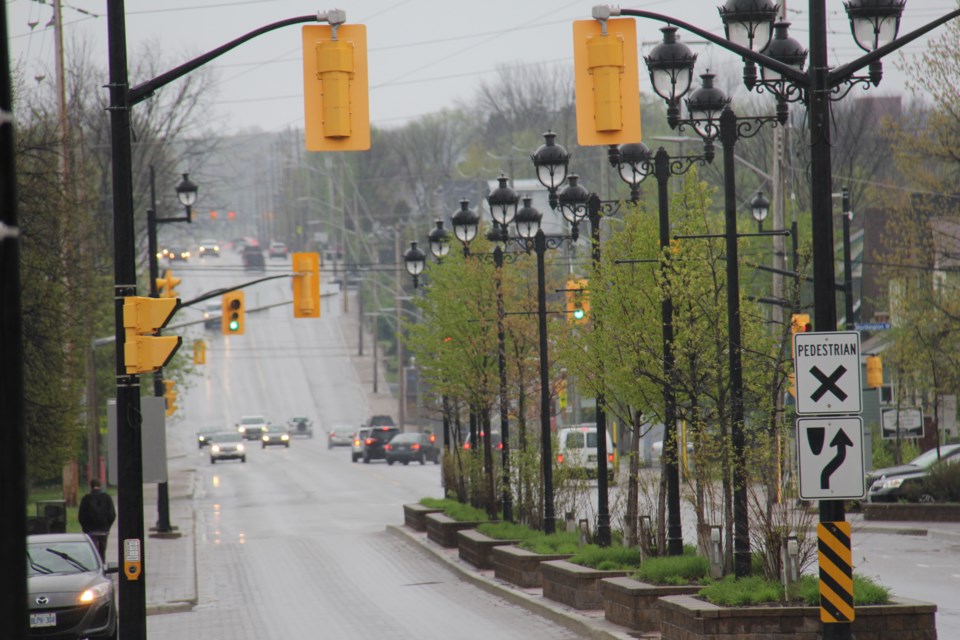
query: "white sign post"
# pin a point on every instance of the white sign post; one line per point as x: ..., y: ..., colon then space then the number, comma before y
x: 827, y: 369
x: 830, y: 452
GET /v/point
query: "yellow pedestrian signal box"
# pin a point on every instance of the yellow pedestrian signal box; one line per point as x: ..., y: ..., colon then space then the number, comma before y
x: 606, y: 81
x: 142, y: 318
x: 306, y: 285
x: 199, y: 352
x: 170, y: 396
x: 335, y: 88
x: 232, y: 313
x: 578, y: 301
x: 166, y: 284
x: 874, y: 372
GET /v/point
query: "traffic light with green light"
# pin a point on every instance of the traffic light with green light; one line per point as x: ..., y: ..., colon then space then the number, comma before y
x: 578, y: 301
x: 232, y: 313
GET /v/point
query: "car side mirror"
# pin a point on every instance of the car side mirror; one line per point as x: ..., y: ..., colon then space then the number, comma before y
x: 113, y: 567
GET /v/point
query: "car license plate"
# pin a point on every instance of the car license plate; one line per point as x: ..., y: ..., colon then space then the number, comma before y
x: 43, y: 620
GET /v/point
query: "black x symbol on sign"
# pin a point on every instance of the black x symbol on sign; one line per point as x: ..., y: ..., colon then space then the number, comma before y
x: 828, y: 383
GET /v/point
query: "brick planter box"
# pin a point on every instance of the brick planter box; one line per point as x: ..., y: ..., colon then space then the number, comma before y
x: 633, y: 604
x: 477, y: 548
x: 901, y: 512
x: 574, y: 585
x: 687, y: 618
x: 415, y: 515
x: 443, y: 529
x: 521, y: 567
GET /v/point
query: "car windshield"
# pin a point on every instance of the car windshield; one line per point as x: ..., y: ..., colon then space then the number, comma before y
x: 226, y: 437
x: 383, y: 434
x: 277, y: 429
x: 252, y: 420
x: 60, y: 557
x: 927, y: 458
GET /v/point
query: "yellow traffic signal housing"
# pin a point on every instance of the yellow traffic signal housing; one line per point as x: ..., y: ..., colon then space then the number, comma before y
x: 143, y: 317
x: 166, y: 285
x: 233, y: 312
x: 199, y: 352
x: 578, y: 301
x: 800, y: 323
x: 335, y: 88
x: 306, y: 285
x: 874, y: 372
x: 606, y: 81
x: 170, y: 396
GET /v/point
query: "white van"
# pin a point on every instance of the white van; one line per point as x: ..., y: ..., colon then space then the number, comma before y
x: 577, y: 449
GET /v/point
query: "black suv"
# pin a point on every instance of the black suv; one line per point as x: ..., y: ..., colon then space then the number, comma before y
x: 373, y: 446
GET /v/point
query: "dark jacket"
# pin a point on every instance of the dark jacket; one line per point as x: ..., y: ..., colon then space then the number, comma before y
x: 96, y: 512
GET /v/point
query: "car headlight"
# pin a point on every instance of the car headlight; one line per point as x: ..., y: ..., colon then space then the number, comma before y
x: 284, y: 437
x: 265, y: 438
x: 239, y: 447
x: 95, y: 593
x: 892, y: 483
x: 215, y: 448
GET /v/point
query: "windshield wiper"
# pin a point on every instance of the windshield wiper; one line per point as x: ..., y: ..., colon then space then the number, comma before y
x: 68, y: 558
x: 39, y: 568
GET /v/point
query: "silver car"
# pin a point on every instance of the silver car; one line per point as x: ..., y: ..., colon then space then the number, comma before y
x: 341, y: 435
x: 70, y: 594
x: 227, y: 446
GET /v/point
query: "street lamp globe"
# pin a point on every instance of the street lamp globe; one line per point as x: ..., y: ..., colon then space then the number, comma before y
x: 670, y: 64
x: 528, y: 220
x: 874, y: 23
x: 748, y: 23
x: 551, y: 161
x: 503, y: 202
x: 414, y: 260
x: 439, y: 240
x: 465, y: 223
x: 498, y: 235
x: 783, y: 49
x: 573, y: 200
x: 630, y: 162
x: 705, y: 105
x: 760, y: 207
x: 186, y: 191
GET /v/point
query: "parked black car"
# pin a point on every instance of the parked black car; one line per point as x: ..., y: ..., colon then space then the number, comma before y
x: 412, y: 447
x: 906, y: 482
x: 375, y: 442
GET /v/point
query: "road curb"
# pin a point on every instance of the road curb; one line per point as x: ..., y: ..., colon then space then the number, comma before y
x: 595, y: 629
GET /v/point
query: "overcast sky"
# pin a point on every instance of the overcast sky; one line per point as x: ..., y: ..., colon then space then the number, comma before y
x: 424, y: 55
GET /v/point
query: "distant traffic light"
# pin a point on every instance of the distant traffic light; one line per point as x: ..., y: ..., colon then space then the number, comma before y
x: 199, y: 352
x: 800, y: 323
x: 166, y: 285
x: 578, y: 301
x: 606, y: 81
x: 306, y: 285
x: 232, y: 313
x: 170, y: 396
x: 142, y: 318
x: 874, y: 372
x: 335, y: 88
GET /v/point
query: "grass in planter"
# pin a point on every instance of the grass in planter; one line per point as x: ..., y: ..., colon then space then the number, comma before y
x: 612, y: 558
x: 507, y: 530
x: 561, y: 542
x: 865, y: 591
x: 674, y: 570
x: 756, y: 590
x: 456, y: 510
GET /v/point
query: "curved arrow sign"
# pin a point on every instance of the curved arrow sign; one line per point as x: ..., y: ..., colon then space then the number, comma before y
x: 830, y: 453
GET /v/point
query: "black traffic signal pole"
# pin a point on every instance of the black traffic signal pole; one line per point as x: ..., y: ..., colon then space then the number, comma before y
x: 132, y: 592
x: 13, y: 455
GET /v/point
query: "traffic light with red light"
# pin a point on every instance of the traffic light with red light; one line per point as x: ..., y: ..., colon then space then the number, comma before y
x: 800, y: 323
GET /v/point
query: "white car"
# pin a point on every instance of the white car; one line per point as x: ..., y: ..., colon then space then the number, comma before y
x: 577, y: 449
x: 252, y: 427
x: 209, y: 248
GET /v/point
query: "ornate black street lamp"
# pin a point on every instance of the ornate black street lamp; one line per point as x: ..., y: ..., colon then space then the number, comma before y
x: 414, y: 260
x: 466, y: 222
x: 759, y: 207
x: 634, y: 163
x: 439, y: 240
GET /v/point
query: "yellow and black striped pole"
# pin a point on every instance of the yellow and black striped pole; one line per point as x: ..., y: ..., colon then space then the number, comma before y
x: 836, y: 572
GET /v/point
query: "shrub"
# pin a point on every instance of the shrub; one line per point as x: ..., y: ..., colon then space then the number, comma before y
x: 506, y: 530
x: 674, y: 570
x: 865, y: 591
x: 943, y: 482
x: 607, y: 558
x: 562, y: 542
x: 456, y: 510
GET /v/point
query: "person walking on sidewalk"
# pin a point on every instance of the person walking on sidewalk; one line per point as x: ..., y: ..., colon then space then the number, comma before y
x: 96, y: 516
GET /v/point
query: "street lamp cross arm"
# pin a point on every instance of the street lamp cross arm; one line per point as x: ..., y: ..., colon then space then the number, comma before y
x: 845, y: 72
x: 791, y: 73
x: 146, y: 89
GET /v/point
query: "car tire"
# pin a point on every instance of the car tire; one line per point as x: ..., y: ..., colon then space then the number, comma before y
x: 423, y: 459
x: 287, y: 445
x: 406, y: 462
x: 390, y: 462
x: 263, y: 446
x: 243, y: 459
x: 353, y: 458
x: 366, y: 459
x: 329, y: 444
x: 213, y: 461
x: 436, y: 458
